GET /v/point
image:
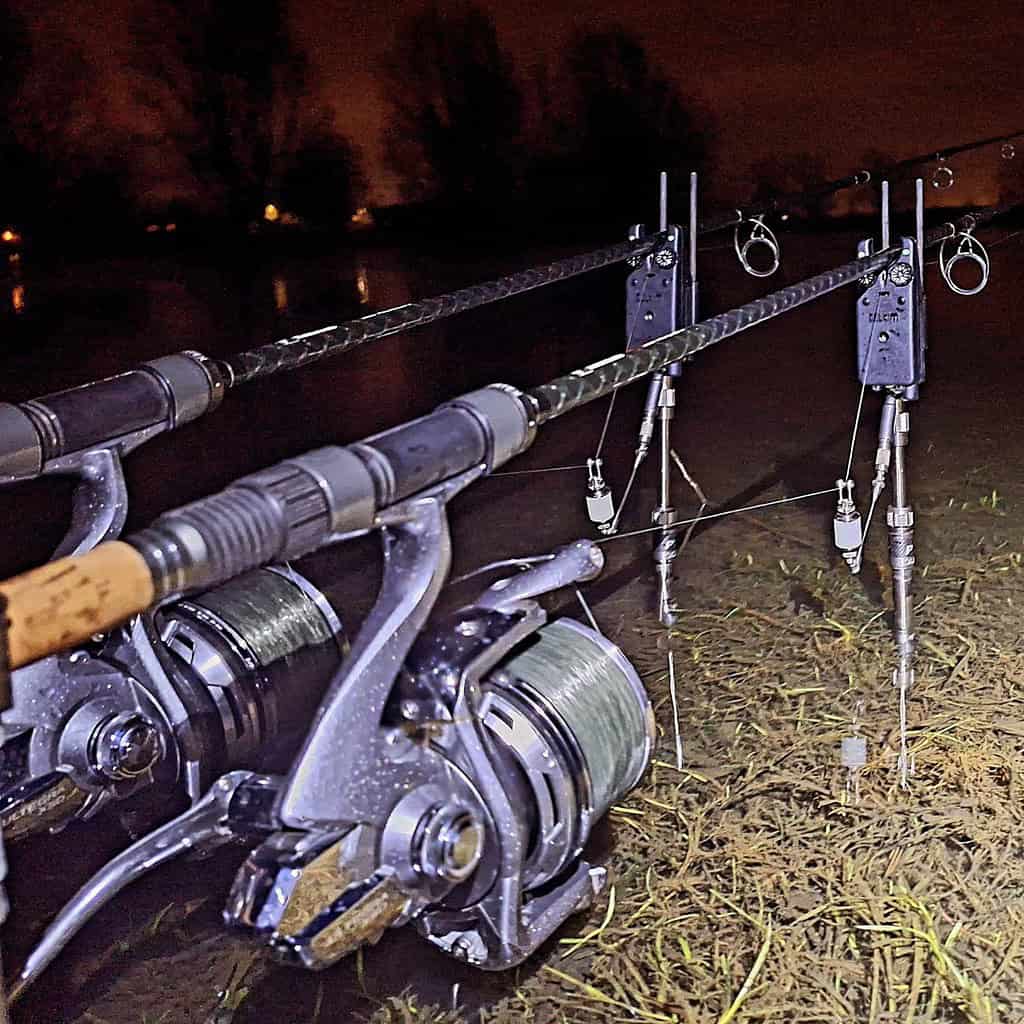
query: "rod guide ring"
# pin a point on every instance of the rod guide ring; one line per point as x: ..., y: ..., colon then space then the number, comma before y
x: 971, y: 250
x: 760, y: 235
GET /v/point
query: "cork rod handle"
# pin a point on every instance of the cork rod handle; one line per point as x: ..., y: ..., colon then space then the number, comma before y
x: 66, y: 602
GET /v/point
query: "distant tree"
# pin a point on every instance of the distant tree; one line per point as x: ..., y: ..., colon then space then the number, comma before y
x: 623, y: 122
x: 321, y: 181
x: 227, y: 80
x: 55, y: 145
x: 455, y: 130
x: 778, y: 176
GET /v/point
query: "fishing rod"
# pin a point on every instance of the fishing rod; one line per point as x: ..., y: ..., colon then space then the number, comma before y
x: 70, y: 599
x: 782, y: 203
x: 84, y: 431
x: 39, y: 627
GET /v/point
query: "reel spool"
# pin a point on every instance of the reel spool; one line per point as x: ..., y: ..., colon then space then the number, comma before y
x: 569, y: 730
x: 571, y: 711
x: 264, y: 647
x: 244, y: 668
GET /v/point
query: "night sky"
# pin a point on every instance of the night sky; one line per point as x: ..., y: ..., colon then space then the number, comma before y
x: 835, y: 80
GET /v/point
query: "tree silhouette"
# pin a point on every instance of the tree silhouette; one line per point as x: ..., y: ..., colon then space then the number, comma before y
x: 455, y: 131
x: 625, y: 121
x: 322, y: 182
x: 775, y: 177
x: 228, y: 81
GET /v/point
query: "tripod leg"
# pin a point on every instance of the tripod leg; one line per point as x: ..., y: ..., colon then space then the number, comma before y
x: 900, y: 520
x: 665, y: 515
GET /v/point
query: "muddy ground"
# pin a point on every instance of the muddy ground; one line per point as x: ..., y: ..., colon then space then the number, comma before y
x: 761, y: 882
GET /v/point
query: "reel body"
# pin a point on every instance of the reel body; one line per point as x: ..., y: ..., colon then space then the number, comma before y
x: 565, y: 729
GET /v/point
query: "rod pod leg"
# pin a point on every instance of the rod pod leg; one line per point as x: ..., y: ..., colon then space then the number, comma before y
x: 665, y: 514
x: 899, y: 518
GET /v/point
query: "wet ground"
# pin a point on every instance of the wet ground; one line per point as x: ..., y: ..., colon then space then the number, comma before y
x: 762, y: 416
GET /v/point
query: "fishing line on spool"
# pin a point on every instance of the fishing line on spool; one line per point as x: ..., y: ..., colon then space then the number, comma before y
x: 585, y: 680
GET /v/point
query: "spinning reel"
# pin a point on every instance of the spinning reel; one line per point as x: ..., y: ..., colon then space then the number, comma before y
x: 515, y: 737
x: 226, y: 679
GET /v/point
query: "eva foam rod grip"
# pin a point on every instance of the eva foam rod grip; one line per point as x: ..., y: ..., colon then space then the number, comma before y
x: 67, y: 601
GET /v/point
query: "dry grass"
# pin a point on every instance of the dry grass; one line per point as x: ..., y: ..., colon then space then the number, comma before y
x: 760, y: 884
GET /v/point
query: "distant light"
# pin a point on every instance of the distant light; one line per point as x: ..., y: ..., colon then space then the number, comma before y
x: 362, y: 218
x: 10, y: 236
x: 362, y: 286
x: 170, y: 227
x: 270, y: 213
x: 18, y: 298
x: 152, y: 229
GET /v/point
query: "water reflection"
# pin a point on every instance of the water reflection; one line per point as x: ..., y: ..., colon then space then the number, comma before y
x: 362, y: 285
x: 17, y: 286
x: 280, y: 294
